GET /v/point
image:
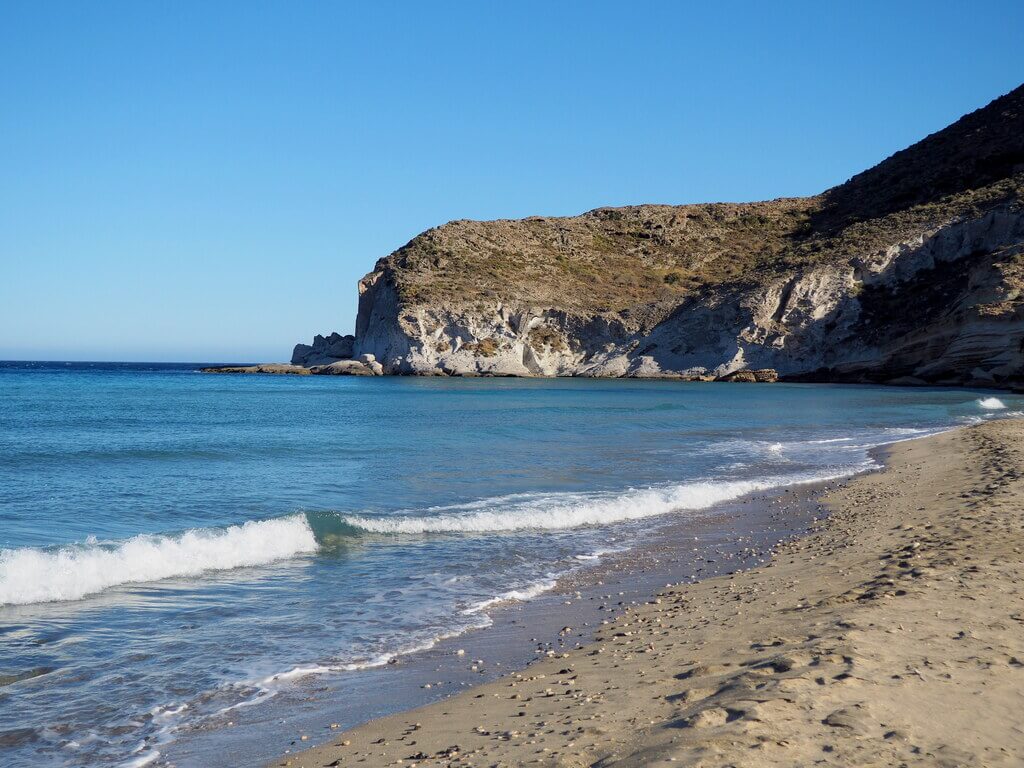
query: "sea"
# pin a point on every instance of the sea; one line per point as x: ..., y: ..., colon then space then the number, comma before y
x: 179, y: 549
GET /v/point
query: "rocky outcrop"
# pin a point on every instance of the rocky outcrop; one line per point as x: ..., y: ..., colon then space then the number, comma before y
x: 364, y: 366
x: 277, y: 368
x: 326, y: 356
x: 324, y: 350
x: 943, y: 306
x: 760, y: 376
x: 911, y: 272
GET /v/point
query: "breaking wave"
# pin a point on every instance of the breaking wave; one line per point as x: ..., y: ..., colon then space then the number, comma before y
x: 991, y: 403
x: 562, y: 511
x: 33, y: 575
x: 38, y: 575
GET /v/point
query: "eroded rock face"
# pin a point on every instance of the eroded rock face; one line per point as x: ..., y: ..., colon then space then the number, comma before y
x: 944, y: 306
x: 911, y: 272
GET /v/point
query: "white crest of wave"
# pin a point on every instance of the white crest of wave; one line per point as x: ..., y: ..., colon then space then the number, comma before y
x: 991, y: 403
x: 562, y: 511
x: 31, y: 575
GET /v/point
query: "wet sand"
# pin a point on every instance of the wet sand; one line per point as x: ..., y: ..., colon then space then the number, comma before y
x: 893, y: 634
x: 683, y: 548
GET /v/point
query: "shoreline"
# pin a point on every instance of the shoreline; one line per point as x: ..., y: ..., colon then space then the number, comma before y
x: 348, y: 367
x: 732, y: 535
x: 363, y: 598
x: 815, y: 656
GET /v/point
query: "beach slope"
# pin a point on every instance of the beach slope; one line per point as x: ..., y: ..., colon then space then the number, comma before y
x: 893, y: 634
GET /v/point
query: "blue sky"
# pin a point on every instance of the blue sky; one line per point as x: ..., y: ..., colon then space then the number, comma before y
x: 208, y: 181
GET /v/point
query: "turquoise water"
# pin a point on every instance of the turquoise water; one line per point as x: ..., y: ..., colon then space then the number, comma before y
x: 177, y: 545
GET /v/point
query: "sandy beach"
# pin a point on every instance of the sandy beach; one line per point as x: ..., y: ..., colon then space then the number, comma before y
x: 488, y: 384
x: 892, y: 634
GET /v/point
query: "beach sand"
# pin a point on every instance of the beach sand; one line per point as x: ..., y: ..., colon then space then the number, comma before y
x: 892, y: 634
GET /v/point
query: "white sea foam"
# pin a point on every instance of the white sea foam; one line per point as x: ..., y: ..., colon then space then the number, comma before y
x: 563, y: 511
x: 270, y: 685
x: 31, y: 575
x: 145, y: 758
x: 991, y: 403
x: 520, y: 595
x: 597, y: 554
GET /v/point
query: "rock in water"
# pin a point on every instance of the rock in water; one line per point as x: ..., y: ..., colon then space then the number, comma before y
x: 343, y: 368
x: 324, y: 350
x: 261, y: 368
x: 760, y: 376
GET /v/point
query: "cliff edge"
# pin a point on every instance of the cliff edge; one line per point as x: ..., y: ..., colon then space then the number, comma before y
x: 910, y: 272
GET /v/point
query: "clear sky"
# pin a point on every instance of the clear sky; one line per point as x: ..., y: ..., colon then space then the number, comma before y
x: 206, y: 181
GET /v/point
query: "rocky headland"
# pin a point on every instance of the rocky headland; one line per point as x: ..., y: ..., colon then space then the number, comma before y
x: 909, y: 273
x: 332, y: 355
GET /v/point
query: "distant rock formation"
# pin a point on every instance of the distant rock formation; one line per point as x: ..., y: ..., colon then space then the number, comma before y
x: 296, y: 370
x: 365, y: 365
x: 324, y: 351
x: 760, y: 376
x: 911, y: 272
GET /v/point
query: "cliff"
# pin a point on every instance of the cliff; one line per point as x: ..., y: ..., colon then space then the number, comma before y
x: 909, y: 272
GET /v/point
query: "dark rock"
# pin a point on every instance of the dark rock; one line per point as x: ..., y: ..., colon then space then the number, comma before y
x: 297, y: 370
x: 324, y: 350
x: 343, y: 368
x: 760, y: 376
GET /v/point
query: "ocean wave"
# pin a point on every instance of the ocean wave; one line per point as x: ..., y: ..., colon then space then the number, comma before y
x: 563, y: 511
x: 32, y: 575
x: 991, y: 403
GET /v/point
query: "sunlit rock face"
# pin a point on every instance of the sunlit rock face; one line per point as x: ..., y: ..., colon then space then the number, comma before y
x: 910, y: 272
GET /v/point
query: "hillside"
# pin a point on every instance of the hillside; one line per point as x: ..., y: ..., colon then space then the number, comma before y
x: 910, y: 271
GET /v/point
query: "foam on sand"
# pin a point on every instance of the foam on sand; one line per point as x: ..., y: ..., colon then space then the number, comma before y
x: 32, y: 575
x: 520, y: 595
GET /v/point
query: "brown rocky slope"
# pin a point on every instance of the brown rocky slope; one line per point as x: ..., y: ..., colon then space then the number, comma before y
x: 910, y: 272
